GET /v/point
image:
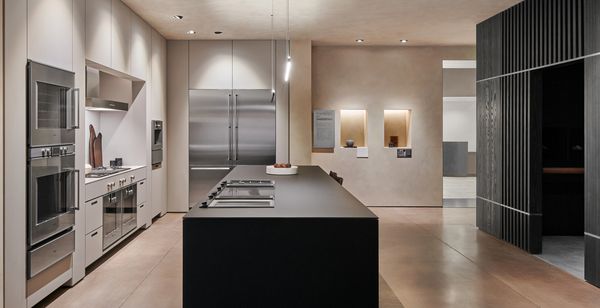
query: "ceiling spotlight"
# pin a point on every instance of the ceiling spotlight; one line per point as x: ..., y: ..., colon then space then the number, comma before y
x: 403, y: 41
x: 178, y: 17
x: 191, y: 32
x: 218, y: 32
x: 360, y: 40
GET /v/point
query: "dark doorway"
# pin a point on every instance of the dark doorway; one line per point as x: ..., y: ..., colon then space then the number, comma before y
x: 563, y: 203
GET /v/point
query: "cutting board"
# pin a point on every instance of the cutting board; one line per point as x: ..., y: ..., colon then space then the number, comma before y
x: 91, y: 146
x: 98, y: 151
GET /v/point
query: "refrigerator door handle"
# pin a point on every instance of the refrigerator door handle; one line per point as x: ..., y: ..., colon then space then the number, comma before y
x: 229, y: 118
x: 236, y: 119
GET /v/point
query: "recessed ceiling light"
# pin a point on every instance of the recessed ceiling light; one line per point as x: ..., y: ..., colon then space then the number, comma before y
x: 218, y: 32
x: 403, y: 41
x: 360, y: 40
x: 179, y: 17
x: 191, y: 32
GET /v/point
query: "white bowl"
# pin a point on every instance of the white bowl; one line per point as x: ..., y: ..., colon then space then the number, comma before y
x: 282, y: 171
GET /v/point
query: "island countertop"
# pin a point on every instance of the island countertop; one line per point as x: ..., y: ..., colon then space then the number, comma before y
x: 309, y: 194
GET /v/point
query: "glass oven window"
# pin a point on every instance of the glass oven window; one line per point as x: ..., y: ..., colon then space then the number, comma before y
x: 53, y: 196
x: 52, y: 106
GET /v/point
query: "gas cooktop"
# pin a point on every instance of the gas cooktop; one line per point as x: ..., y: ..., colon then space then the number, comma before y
x: 249, y: 183
x: 101, y: 172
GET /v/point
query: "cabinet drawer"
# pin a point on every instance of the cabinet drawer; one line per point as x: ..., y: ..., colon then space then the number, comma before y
x: 93, y: 215
x: 93, y: 246
x: 101, y: 188
x: 142, y: 215
x: 141, y: 191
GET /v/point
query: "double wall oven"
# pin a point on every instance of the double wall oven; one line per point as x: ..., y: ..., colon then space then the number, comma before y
x: 53, y: 179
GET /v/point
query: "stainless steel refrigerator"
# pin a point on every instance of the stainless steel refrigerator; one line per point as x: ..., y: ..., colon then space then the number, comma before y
x: 228, y: 128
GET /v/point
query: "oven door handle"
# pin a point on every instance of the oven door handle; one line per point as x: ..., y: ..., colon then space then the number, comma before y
x: 76, y: 108
x: 77, y: 174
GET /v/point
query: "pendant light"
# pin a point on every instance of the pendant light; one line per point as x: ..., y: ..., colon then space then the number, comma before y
x: 288, y: 63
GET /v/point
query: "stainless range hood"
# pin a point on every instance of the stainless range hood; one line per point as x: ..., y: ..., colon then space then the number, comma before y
x: 96, y: 81
x: 98, y: 104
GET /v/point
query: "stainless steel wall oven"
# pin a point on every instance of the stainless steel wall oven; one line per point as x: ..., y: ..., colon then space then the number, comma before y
x: 53, y: 105
x: 52, y: 177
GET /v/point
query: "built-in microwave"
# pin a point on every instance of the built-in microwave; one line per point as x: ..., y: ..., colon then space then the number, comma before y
x: 53, y: 105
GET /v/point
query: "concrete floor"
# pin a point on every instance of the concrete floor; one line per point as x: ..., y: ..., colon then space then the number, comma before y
x: 428, y: 258
x: 565, y: 252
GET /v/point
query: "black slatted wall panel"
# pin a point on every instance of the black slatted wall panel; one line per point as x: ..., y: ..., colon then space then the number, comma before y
x: 592, y: 170
x: 532, y: 34
x: 511, y: 47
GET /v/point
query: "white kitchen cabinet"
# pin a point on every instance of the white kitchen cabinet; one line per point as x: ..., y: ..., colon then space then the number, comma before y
x: 98, y: 31
x: 210, y: 64
x: 121, y: 36
x: 140, y: 47
x: 50, y: 32
x: 93, y: 215
x: 93, y: 246
x: 252, y: 64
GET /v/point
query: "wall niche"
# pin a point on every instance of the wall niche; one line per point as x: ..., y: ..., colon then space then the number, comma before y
x: 353, y: 128
x: 396, y: 128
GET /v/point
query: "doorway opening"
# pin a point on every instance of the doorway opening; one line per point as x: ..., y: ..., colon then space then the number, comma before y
x: 561, y: 91
x: 459, y: 133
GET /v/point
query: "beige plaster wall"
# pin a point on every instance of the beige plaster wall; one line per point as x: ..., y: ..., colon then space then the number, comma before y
x: 300, y: 103
x: 375, y: 79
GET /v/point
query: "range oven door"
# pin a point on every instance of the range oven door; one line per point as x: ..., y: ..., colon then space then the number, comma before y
x: 111, y: 219
x: 129, y: 203
x: 53, y: 105
x: 53, y: 196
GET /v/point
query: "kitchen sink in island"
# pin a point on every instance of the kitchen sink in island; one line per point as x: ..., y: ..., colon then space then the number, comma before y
x: 316, y: 247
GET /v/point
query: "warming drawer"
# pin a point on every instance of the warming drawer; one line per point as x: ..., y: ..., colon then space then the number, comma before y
x: 48, y: 254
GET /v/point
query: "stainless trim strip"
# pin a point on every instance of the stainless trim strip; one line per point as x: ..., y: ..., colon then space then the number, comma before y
x: 592, y: 235
x: 540, y: 67
x: 508, y: 207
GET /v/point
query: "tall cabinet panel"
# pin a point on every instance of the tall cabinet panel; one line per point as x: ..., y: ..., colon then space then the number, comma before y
x: 50, y: 29
x: 210, y: 65
x: 253, y: 65
x: 140, y: 47
x: 121, y: 36
x: 98, y: 19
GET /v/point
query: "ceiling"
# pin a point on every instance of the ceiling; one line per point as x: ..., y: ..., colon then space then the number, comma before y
x: 325, y: 22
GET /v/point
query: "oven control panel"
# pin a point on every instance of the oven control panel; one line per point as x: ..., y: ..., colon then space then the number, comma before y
x: 52, y: 151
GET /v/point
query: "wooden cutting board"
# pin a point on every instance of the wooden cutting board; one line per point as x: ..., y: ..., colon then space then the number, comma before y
x: 91, y: 146
x: 98, y: 150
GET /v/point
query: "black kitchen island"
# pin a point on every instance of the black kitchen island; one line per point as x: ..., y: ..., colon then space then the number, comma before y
x: 317, y: 247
